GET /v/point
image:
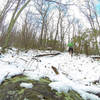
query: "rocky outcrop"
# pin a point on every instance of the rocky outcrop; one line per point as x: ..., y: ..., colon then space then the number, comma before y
x: 10, y: 89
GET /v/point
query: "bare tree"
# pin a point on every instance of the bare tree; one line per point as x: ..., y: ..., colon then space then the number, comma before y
x: 89, y: 10
x: 7, y: 7
x: 21, y: 4
x: 61, y: 29
x: 43, y: 8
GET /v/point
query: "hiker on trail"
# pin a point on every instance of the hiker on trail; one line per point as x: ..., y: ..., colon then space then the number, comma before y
x: 70, y: 50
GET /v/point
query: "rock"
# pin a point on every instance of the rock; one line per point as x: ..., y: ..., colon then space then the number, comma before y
x: 10, y: 90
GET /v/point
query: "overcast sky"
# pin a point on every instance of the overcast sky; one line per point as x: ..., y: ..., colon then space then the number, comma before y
x: 73, y: 9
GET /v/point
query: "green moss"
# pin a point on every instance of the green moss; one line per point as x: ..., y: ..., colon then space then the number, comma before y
x: 17, y: 79
x: 26, y: 99
x: 14, y: 80
x: 58, y: 94
x: 21, y: 91
x: 45, y: 80
x: 72, y: 95
x: 31, y: 94
x: 67, y: 97
x: 5, y: 82
x: 11, y: 90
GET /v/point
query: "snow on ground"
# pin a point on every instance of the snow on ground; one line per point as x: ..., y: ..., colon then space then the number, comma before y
x: 26, y: 85
x: 77, y: 72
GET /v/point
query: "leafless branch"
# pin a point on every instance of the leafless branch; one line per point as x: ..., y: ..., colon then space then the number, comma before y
x: 69, y: 4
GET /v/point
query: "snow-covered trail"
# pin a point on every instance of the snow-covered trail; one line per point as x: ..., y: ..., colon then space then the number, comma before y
x: 77, y: 72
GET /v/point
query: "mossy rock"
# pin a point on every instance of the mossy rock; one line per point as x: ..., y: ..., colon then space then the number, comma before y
x: 72, y: 95
x: 10, y: 90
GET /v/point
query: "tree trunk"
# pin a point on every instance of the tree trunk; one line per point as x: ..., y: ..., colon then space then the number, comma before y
x: 12, y: 22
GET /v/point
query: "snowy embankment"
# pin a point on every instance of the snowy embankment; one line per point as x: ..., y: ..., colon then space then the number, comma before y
x: 75, y: 73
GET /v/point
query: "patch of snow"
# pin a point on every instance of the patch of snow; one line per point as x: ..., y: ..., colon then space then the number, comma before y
x: 77, y: 72
x: 26, y: 85
x: 63, y: 84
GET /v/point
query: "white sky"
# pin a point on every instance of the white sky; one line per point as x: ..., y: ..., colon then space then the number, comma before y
x: 74, y: 11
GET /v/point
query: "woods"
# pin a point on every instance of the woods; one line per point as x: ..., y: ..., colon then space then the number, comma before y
x: 50, y: 49
x: 49, y: 23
